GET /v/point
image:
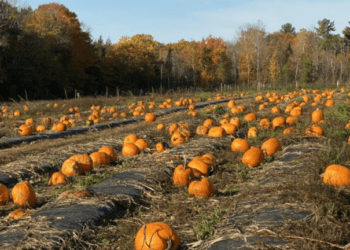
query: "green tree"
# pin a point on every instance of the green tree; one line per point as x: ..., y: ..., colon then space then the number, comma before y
x: 288, y: 29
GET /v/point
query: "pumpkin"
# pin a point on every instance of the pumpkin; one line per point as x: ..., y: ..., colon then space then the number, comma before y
x: 329, y: 103
x: 208, y: 123
x: 160, y: 126
x: 25, y: 130
x: 4, y: 195
x: 182, y: 175
x: 253, y: 157
x: 216, y: 132
x: 275, y: 110
x: 23, y: 194
x: 111, y: 151
x: 231, y: 104
x: 314, y: 130
x: 150, y: 117
x: 130, y: 149
x: 75, y: 194
x: 178, y: 138
x: 265, y: 123
x: 224, y: 121
x: 199, y: 167
x: 142, y: 144
x: 59, y: 127
x: 70, y: 168
x: 100, y: 158
x: 235, y: 121
x: 289, y: 130
x: 202, y: 130
x: 240, y: 145
x: 29, y: 121
x: 57, y: 178
x: 252, y: 132
x: 156, y: 236
x: 123, y: 114
x: 278, y: 122
x: 209, y: 157
x: 17, y: 113
x: 131, y: 138
x: 229, y: 128
x: 291, y: 120
x: 271, y: 146
x: 18, y: 213
x: 172, y: 128
x: 161, y: 146
x: 317, y: 116
x: 295, y: 112
x: 337, y: 175
x: 202, y: 188
x: 40, y: 128
x: 250, y: 117
x: 84, y: 162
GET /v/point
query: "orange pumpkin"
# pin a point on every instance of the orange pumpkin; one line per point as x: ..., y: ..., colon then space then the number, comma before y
x: 111, y: 151
x: 150, y: 117
x: 216, y: 132
x: 202, y: 188
x: 202, y: 130
x: 84, y: 161
x: 337, y: 175
x: 199, y: 167
x: 25, y: 130
x: 100, y: 158
x: 142, y: 144
x: 253, y: 157
x: 57, y: 178
x: 23, y: 194
x: 156, y: 236
x: 130, y: 149
x: 182, y: 175
x: 131, y: 138
x: 240, y: 145
x: 4, y: 195
x: 271, y: 146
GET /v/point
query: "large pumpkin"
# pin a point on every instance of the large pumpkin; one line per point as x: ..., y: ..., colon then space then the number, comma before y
x: 337, y: 175
x: 240, y: 145
x: 25, y: 130
x: 156, y: 236
x: 203, y: 188
x: 111, y: 151
x: 271, y: 146
x: 100, y: 158
x: 4, y: 195
x: 84, y: 161
x: 253, y: 157
x: 216, y: 132
x: 23, y: 194
x: 130, y: 149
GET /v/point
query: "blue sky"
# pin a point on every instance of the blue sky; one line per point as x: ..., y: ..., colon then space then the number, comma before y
x: 171, y: 20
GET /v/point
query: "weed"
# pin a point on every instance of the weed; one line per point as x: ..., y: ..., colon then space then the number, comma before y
x: 92, y: 179
x: 105, y: 242
x: 339, y: 113
x: 244, y: 174
x: 126, y: 164
x: 206, y: 227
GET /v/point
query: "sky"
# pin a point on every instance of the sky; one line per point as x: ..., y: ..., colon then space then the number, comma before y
x: 169, y: 21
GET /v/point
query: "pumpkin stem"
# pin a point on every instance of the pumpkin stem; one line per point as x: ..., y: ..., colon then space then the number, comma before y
x: 185, y: 162
x: 170, y: 244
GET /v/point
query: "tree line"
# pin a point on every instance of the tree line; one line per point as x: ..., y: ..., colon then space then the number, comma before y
x: 48, y: 53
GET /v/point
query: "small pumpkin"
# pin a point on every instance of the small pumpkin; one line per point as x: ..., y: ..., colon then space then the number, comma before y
x: 271, y: 146
x: 199, y: 167
x: 131, y: 138
x: 278, y: 122
x: 142, y: 144
x: 29, y: 121
x: 23, y: 194
x: 253, y: 157
x: 314, y: 130
x: 291, y: 120
x: 18, y: 213
x: 111, y: 151
x: 25, y: 130
x: 178, y: 138
x: 84, y: 162
x: 252, y: 132
x: 156, y: 236
x: 202, y: 130
x: 289, y: 130
x: 317, y: 116
x: 150, y: 117
x: 229, y: 128
x: 4, y: 195
x: 250, y: 117
x: 75, y: 194
x: 235, y: 121
x: 264, y: 123
x: 59, y: 127
x: 208, y: 123
x: 40, y: 128
x: 130, y: 149
x: 182, y: 175
x: 337, y: 175
x: 202, y: 188
x: 160, y: 126
x: 57, y: 178
x: 100, y: 158
x: 240, y: 145
x: 70, y: 168
x: 216, y: 132
x: 161, y: 146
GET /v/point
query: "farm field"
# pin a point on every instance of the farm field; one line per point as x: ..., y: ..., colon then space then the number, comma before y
x: 277, y: 200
